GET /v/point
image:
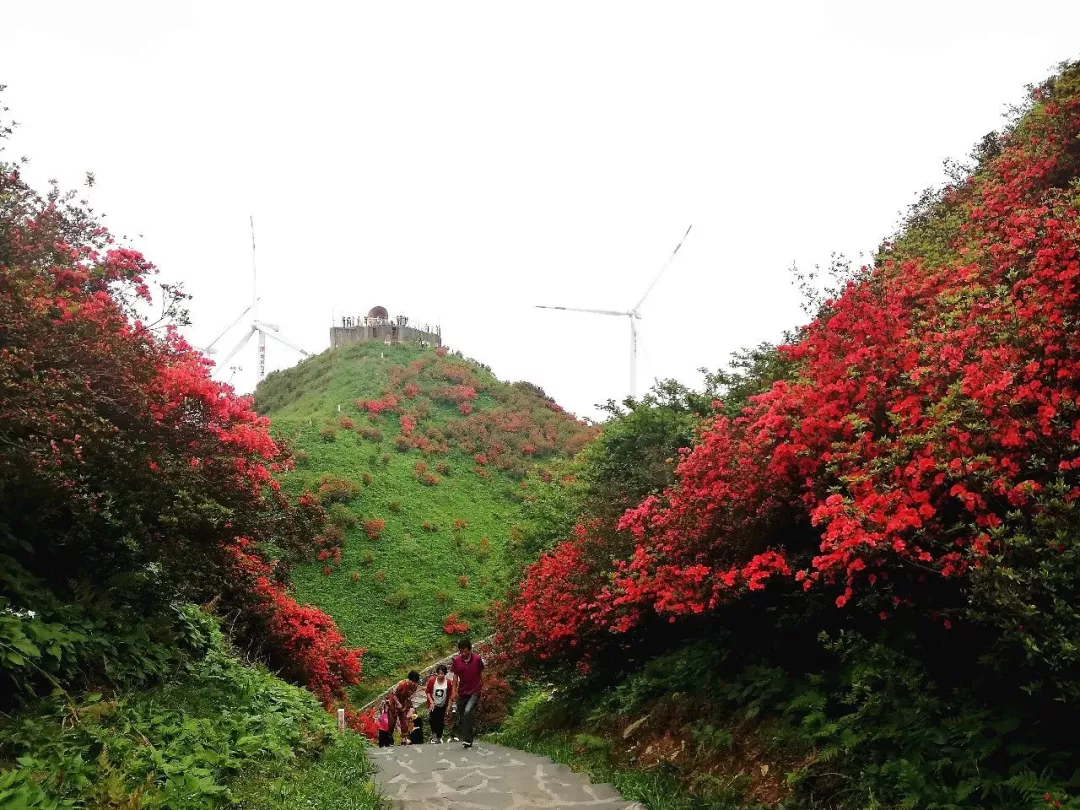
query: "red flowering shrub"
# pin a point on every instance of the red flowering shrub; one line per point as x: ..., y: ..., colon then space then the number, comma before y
x: 121, y: 460
x: 442, y: 468
x: 441, y: 351
x: 428, y: 526
x: 411, y: 391
x: 373, y: 527
x: 408, y: 425
x: 365, y: 723
x: 463, y: 581
x: 928, y: 431
x: 453, y: 626
x: 346, y: 423
x: 377, y: 406
x: 300, y: 639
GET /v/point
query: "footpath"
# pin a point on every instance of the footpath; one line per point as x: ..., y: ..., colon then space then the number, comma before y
x: 485, y: 777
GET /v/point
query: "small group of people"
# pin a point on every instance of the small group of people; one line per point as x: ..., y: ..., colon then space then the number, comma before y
x: 349, y: 321
x: 455, y: 689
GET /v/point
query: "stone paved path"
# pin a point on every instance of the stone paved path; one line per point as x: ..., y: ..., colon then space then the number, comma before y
x: 485, y: 777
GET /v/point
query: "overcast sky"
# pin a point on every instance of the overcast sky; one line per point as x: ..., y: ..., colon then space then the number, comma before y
x: 462, y: 162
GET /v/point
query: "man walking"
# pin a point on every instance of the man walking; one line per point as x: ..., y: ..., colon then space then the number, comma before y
x: 466, y: 668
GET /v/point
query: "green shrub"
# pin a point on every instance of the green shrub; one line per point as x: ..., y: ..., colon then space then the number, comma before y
x: 342, y: 516
x: 178, y: 745
x: 45, y: 643
x: 336, y: 489
x: 399, y: 599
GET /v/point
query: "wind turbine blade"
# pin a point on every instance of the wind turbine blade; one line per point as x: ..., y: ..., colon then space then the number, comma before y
x: 671, y: 258
x: 230, y: 326
x: 590, y: 311
x: 282, y: 340
x: 243, y: 342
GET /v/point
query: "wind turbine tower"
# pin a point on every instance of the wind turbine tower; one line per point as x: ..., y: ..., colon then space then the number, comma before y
x: 257, y: 326
x: 633, y: 314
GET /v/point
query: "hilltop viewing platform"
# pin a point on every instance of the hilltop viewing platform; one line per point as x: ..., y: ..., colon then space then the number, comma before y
x: 378, y: 326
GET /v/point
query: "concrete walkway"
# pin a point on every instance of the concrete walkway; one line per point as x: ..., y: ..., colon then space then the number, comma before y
x: 485, y: 777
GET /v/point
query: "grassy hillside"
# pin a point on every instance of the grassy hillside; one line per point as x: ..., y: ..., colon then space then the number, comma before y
x: 423, y: 461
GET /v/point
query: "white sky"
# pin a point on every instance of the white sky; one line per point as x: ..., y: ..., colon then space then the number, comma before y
x: 461, y: 162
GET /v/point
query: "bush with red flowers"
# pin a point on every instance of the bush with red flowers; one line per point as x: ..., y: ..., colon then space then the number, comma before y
x: 129, y: 478
x: 919, y: 455
x: 453, y: 626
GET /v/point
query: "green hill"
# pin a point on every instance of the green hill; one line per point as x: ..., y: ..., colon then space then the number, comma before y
x: 423, y: 460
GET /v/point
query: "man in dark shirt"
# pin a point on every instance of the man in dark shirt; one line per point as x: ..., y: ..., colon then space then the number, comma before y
x: 466, y: 669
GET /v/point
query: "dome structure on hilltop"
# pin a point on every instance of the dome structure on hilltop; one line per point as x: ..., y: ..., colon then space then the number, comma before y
x: 379, y: 312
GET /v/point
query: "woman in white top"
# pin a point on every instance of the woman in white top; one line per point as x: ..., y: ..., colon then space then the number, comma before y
x: 440, y: 695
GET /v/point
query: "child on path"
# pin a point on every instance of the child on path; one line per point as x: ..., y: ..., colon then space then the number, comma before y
x: 416, y: 736
x: 399, y: 699
x: 466, y: 668
x: 440, y: 696
x: 382, y: 720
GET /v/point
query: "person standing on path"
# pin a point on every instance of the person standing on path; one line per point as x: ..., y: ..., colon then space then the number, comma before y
x: 440, y: 696
x: 467, y: 668
x: 399, y: 701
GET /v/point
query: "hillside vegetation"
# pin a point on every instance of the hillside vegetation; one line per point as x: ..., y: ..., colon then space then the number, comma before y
x: 859, y: 584
x: 424, y: 460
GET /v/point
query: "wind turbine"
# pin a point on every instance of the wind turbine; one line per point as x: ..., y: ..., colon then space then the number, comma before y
x: 633, y: 314
x: 261, y: 328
